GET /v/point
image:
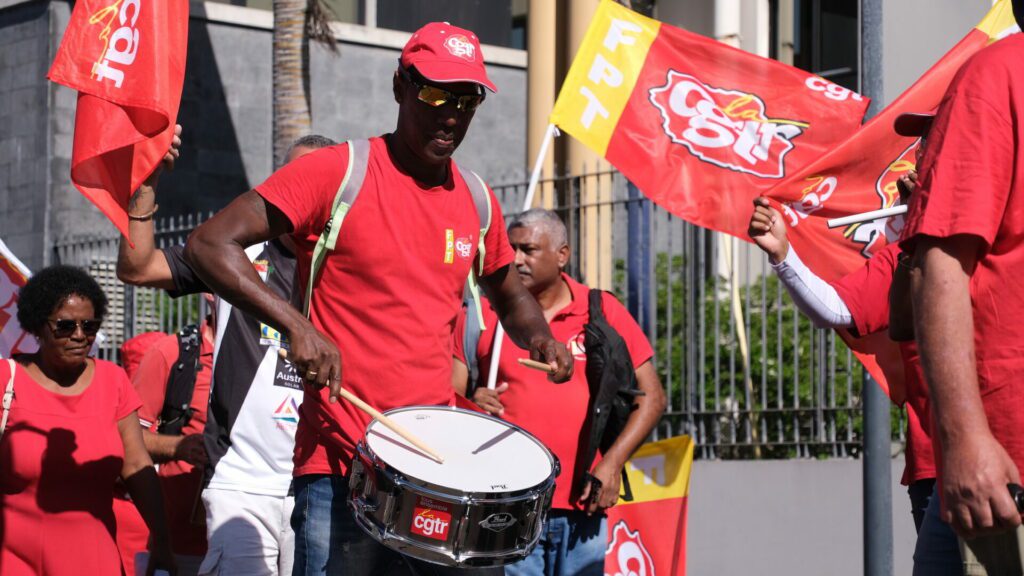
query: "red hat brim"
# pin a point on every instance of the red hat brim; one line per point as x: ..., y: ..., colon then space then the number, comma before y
x: 447, y: 72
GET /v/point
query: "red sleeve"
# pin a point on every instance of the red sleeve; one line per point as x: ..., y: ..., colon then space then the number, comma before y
x: 640, y: 350
x: 866, y: 291
x: 304, y: 189
x: 128, y: 399
x: 458, y: 345
x: 150, y: 380
x: 966, y: 173
x: 499, y: 251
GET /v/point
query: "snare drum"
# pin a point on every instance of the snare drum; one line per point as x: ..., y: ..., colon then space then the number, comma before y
x: 483, y: 507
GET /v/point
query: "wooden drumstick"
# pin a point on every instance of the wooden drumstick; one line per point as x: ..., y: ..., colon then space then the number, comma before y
x: 376, y: 415
x: 534, y: 365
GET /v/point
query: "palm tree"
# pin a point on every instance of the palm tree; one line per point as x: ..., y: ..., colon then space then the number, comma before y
x: 296, y: 22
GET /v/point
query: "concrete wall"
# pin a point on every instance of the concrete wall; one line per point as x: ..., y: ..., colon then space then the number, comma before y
x: 786, y: 517
x: 225, y: 111
x: 23, y: 129
x: 916, y: 33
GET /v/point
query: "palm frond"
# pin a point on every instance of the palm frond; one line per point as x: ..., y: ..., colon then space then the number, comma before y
x: 318, y: 24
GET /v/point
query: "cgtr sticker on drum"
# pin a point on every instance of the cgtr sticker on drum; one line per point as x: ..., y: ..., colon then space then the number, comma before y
x: 431, y: 519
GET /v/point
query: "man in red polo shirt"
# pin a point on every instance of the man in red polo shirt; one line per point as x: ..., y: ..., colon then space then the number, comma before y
x: 386, y: 298
x: 180, y: 456
x: 574, y: 539
x: 966, y: 226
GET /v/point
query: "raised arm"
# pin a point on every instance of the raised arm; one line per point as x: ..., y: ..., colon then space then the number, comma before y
x: 216, y: 251
x: 144, y: 265
x: 812, y: 295
x: 524, y: 322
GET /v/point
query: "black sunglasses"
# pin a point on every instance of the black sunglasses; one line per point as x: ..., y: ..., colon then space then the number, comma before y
x: 65, y: 328
x: 437, y: 97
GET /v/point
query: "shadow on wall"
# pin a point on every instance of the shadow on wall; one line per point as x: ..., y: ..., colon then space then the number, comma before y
x: 210, y: 171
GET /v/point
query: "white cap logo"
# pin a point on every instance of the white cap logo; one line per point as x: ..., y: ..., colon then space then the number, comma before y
x: 460, y: 46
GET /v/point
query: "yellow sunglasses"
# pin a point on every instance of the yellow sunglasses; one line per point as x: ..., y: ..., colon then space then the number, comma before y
x: 437, y: 97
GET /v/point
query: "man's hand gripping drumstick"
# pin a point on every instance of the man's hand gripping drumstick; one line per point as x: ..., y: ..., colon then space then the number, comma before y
x: 376, y: 415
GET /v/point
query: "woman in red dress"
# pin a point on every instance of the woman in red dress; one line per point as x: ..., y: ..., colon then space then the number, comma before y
x: 71, y: 432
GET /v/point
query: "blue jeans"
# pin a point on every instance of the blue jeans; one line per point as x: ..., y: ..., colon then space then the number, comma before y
x: 329, y: 543
x: 920, y: 492
x: 571, y: 544
x: 938, y: 551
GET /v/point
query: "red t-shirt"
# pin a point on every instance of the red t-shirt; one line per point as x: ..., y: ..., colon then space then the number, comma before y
x: 180, y: 481
x: 59, y: 459
x: 389, y: 293
x: 556, y: 413
x: 865, y: 292
x: 972, y: 182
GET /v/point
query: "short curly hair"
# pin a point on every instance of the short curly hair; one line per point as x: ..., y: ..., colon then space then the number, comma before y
x: 48, y: 288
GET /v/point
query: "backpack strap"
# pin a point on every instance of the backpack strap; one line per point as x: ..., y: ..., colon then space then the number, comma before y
x: 482, y: 202
x: 355, y: 173
x: 8, y: 398
x: 181, y: 383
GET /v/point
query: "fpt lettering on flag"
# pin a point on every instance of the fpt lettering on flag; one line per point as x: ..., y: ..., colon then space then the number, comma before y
x: 13, y: 275
x: 860, y: 175
x: 700, y: 127
x: 126, y: 58
x: 647, y: 537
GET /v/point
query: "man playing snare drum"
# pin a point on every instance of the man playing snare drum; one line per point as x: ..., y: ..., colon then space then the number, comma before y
x: 574, y: 539
x: 386, y: 297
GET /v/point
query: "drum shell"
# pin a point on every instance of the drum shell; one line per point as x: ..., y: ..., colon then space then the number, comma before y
x: 483, y: 528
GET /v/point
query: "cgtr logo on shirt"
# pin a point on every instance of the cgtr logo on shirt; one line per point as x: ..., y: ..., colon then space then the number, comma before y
x: 727, y: 128
x: 626, y: 554
x: 431, y: 519
x: 464, y: 247
x: 459, y: 45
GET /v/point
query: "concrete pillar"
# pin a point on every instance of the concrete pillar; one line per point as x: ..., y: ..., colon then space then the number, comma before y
x: 786, y: 32
x: 728, y: 22
x: 542, y: 84
x: 596, y: 221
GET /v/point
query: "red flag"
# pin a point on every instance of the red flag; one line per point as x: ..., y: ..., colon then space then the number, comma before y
x: 13, y: 275
x: 700, y: 127
x: 860, y: 175
x: 647, y: 536
x: 126, y: 58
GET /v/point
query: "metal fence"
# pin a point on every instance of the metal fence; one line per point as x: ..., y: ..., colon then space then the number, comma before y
x: 746, y: 374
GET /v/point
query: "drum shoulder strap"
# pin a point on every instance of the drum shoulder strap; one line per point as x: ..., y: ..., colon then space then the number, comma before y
x: 348, y: 191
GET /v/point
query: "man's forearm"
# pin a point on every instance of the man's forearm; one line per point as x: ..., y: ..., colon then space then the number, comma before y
x: 221, y: 263
x: 944, y: 326
x: 142, y: 265
x: 642, y: 421
x: 161, y: 447
x: 517, y: 309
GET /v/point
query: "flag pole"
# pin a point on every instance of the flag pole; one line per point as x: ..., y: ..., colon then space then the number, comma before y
x: 531, y: 189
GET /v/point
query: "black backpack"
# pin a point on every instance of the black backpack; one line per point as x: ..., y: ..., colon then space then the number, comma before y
x: 612, y: 382
x: 181, y: 382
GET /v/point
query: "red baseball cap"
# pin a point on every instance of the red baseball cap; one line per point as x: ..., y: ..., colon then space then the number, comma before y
x: 914, y: 123
x: 444, y: 53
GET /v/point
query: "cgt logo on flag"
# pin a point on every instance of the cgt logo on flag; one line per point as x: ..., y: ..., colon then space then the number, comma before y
x: 121, y: 44
x: 727, y: 128
x: 868, y: 233
x: 626, y: 554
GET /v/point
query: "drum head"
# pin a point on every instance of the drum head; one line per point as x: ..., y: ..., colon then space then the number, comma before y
x: 481, y: 454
